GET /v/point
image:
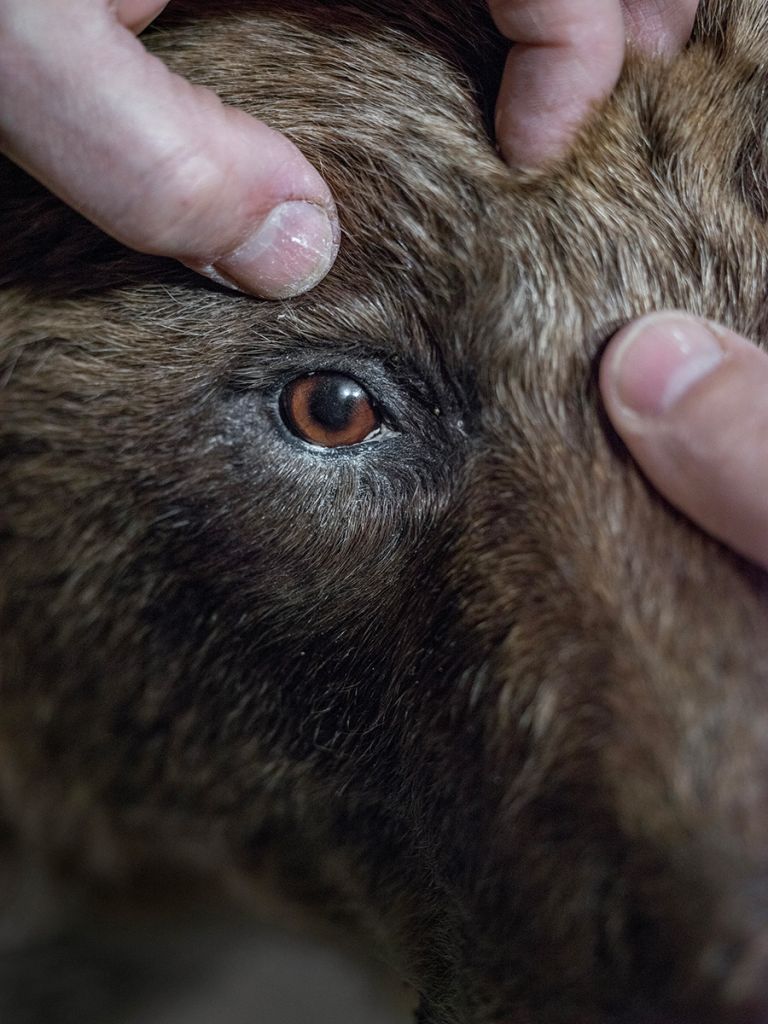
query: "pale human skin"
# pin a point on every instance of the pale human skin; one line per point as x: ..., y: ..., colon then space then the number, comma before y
x: 689, y: 399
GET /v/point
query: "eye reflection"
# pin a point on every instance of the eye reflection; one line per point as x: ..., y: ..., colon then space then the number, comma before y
x: 329, y: 409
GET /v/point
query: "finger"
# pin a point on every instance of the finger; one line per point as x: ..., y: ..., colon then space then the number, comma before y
x: 161, y: 165
x: 567, y: 56
x: 660, y: 26
x: 137, y: 14
x: 691, y: 402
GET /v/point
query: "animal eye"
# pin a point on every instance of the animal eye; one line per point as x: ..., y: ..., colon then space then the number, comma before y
x: 329, y: 409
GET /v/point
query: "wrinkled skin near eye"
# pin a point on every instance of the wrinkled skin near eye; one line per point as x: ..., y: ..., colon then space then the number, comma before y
x: 329, y: 409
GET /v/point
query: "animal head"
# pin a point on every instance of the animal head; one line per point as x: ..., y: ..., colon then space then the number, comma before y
x: 363, y: 581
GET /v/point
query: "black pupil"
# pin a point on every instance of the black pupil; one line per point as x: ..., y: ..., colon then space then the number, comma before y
x: 333, y: 401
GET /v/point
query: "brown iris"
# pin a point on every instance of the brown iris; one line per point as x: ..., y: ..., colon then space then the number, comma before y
x: 329, y: 409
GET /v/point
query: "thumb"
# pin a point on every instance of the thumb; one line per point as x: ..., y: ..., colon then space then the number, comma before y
x: 690, y: 400
x: 159, y: 164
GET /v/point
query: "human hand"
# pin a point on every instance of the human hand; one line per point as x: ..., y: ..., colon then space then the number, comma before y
x: 567, y: 56
x: 156, y: 162
x: 690, y: 400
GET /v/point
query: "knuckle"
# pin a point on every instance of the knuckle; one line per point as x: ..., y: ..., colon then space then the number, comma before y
x: 175, y: 205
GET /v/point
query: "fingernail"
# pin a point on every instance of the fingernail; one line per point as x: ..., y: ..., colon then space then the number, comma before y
x: 292, y: 249
x: 660, y: 359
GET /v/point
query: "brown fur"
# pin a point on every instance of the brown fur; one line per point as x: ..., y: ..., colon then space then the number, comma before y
x: 473, y: 685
